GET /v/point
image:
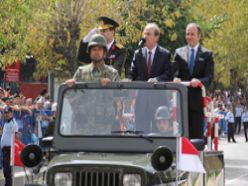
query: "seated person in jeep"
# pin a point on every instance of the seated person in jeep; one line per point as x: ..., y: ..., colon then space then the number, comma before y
x: 162, y: 121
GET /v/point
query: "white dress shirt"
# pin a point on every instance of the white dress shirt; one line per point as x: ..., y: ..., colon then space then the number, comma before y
x: 110, y: 44
x: 152, y: 55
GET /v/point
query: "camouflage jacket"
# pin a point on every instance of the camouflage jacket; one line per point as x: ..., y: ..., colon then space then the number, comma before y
x: 91, y: 73
x: 116, y: 56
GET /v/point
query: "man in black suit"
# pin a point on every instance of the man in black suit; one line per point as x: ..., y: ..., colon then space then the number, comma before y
x: 194, y: 63
x: 116, y: 53
x: 150, y: 63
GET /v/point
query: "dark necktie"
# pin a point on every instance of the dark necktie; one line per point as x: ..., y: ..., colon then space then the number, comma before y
x: 191, y: 61
x: 149, y: 62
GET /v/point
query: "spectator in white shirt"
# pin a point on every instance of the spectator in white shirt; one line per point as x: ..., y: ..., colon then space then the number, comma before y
x: 245, y: 122
x: 238, y: 113
x: 230, y: 123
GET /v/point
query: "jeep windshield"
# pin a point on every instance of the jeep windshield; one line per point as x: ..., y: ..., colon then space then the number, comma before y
x: 121, y: 110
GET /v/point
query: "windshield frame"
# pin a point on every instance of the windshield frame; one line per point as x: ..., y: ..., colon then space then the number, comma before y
x: 119, y: 143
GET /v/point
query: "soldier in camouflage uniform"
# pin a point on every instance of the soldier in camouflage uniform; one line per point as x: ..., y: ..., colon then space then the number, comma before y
x: 97, y: 70
x: 116, y: 54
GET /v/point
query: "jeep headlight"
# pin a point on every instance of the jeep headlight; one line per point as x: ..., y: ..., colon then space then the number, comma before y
x: 63, y: 179
x: 131, y: 180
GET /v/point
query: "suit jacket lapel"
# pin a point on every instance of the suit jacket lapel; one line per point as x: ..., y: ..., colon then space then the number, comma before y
x: 198, y: 54
x: 144, y: 52
x: 183, y: 53
x: 155, y: 59
x: 144, y: 61
x: 199, y: 51
x: 111, y: 49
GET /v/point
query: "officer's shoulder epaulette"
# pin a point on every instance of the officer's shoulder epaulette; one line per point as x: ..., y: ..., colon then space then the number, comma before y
x: 119, y: 45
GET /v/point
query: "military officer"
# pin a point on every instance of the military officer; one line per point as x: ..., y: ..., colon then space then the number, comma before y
x: 116, y: 53
x: 97, y: 70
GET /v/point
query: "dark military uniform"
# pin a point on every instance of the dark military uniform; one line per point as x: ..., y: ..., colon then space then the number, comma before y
x: 116, y: 55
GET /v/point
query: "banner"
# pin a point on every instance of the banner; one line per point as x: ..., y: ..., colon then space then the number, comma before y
x: 12, y: 72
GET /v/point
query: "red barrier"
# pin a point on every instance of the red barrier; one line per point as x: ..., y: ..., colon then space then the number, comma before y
x: 216, y: 134
x: 206, y: 101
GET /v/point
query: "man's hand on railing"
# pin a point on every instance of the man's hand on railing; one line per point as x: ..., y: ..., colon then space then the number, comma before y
x: 195, y: 82
x: 177, y: 80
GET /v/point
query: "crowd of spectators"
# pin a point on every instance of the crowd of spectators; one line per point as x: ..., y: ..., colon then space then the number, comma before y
x: 235, y: 102
x: 32, y: 116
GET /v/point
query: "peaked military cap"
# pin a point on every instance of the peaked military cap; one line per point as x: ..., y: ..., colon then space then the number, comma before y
x: 106, y: 22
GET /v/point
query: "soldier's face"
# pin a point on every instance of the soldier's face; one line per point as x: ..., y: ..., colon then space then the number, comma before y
x: 192, y: 36
x: 163, y: 125
x: 97, y: 54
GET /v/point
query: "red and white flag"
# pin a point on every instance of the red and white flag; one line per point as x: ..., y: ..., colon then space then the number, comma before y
x: 16, y: 148
x: 188, y: 157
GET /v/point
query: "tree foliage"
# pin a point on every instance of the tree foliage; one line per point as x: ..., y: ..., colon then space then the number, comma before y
x: 14, y: 17
x: 171, y: 16
x: 227, y: 38
x: 58, y: 28
x: 51, y: 30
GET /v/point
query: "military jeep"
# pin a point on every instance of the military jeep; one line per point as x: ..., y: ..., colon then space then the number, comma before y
x: 109, y: 136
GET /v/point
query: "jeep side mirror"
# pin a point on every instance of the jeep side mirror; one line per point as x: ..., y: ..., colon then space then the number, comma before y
x: 47, y: 142
x: 198, y: 143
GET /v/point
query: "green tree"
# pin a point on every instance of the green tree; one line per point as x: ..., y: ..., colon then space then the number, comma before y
x: 228, y: 38
x: 51, y: 30
x: 58, y: 27
x: 171, y: 16
x: 14, y: 18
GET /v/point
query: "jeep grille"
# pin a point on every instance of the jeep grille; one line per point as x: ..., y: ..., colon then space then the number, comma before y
x: 97, y: 178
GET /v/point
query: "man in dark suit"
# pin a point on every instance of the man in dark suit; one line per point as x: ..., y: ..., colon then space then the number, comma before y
x: 194, y: 63
x: 152, y: 62
x: 116, y: 53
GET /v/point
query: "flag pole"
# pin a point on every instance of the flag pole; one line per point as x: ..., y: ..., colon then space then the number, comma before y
x: 176, y: 131
x: 12, y: 155
x: 39, y: 130
x: 177, y: 157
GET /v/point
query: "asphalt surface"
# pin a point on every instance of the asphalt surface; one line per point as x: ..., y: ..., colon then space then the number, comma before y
x: 235, y: 155
x: 236, y: 160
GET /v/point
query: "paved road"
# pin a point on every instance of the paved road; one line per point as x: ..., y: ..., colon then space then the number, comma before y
x: 236, y: 161
x: 19, y: 174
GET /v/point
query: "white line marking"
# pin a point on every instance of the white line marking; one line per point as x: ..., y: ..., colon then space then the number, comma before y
x: 235, y: 179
